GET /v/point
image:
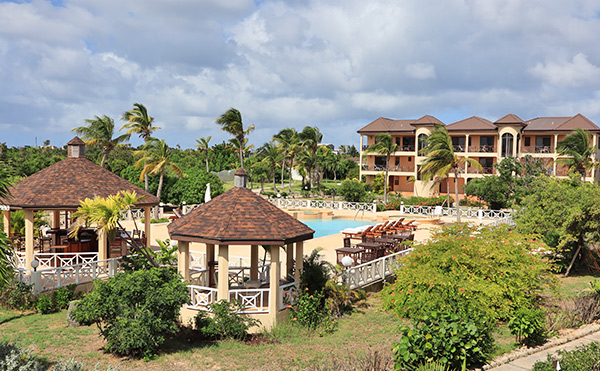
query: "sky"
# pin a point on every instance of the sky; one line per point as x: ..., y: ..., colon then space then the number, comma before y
x: 337, y: 65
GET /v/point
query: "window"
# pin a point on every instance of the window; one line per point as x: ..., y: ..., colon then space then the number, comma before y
x: 397, y: 161
x: 422, y: 141
x: 527, y: 141
x: 542, y: 141
x: 507, y: 145
x: 409, y: 158
x: 397, y: 180
x: 458, y: 143
x: 486, y: 141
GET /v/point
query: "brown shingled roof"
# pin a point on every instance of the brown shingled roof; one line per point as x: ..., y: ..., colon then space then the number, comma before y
x: 64, y: 184
x: 239, y: 217
x: 472, y: 123
x: 427, y: 120
x: 384, y: 125
x: 76, y: 141
x: 578, y: 121
x: 510, y: 119
x: 545, y: 123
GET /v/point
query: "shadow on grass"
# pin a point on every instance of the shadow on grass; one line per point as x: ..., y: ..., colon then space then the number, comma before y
x: 13, y: 316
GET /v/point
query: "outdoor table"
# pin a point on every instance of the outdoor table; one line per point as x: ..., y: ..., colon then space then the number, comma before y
x: 353, y: 252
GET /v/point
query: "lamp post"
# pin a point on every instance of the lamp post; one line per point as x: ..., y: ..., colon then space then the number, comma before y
x: 347, y: 262
x: 35, y: 264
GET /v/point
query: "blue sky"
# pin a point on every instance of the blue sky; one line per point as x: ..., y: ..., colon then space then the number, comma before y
x: 336, y: 65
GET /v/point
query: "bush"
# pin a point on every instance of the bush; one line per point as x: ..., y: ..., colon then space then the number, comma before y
x: 529, y: 326
x: 134, y: 311
x: 462, y: 269
x: 309, y: 311
x: 64, y: 295
x: 17, y: 295
x: 583, y: 358
x: 353, y: 191
x: 44, y: 304
x: 225, y: 323
x: 13, y: 357
x: 447, y: 338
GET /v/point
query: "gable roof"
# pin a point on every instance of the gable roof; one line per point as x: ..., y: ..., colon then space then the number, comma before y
x: 578, y: 121
x: 385, y: 125
x: 510, y: 119
x: 427, y: 120
x: 472, y: 123
x: 239, y: 217
x: 64, y: 184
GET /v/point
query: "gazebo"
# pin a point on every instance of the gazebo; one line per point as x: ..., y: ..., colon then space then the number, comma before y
x: 241, y: 217
x: 61, y: 187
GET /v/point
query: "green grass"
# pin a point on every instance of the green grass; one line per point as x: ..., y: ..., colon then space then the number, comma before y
x: 574, y: 284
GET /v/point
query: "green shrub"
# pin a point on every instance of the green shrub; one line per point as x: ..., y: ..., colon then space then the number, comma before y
x: 447, y: 338
x: 64, y: 295
x: 463, y: 268
x: 225, y: 323
x: 135, y: 311
x: 13, y: 357
x: 529, y: 326
x: 17, y: 295
x: 583, y: 358
x: 353, y: 191
x: 309, y: 311
x: 44, y: 304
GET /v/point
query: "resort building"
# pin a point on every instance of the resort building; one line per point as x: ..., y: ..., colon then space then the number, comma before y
x: 474, y: 137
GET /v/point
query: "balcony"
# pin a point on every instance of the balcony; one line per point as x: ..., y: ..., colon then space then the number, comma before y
x: 364, y: 147
x: 538, y: 149
x: 409, y: 148
x: 482, y: 149
x: 486, y: 170
x: 401, y: 168
x: 459, y: 148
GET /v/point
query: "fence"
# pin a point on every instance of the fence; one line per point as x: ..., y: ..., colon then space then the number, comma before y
x: 284, y: 203
x: 372, y: 271
x: 138, y: 214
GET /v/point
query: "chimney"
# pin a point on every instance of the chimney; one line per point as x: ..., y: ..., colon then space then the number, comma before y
x: 76, y: 148
x: 240, y: 179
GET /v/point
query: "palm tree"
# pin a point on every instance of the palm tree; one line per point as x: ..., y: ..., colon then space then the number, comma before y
x: 139, y: 122
x: 384, y: 145
x: 271, y: 155
x: 204, y: 147
x: 240, y: 147
x: 576, y: 146
x: 289, y: 140
x: 99, y: 132
x: 310, y: 139
x: 304, y: 165
x: 231, y: 122
x: 441, y: 160
x: 156, y: 157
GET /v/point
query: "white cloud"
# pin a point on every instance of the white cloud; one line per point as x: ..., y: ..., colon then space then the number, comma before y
x: 578, y: 72
x: 421, y: 71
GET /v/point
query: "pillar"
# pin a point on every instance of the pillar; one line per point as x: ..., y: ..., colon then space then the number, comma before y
x: 274, y: 284
x: 28, y: 238
x: 299, y: 259
x: 102, y: 245
x: 289, y: 255
x: 223, y: 281
x: 56, y: 219
x: 6, y: 220
x: 183, y: 259
x: 147, y: 224
x: 360, y: 158
x: 210, y: 264
x: 254, y: 263
x: 467, y: 149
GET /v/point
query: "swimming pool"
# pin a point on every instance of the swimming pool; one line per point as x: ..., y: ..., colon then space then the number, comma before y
x: 325, y: 227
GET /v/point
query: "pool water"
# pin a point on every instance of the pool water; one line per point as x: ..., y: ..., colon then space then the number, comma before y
x: 328, y: 227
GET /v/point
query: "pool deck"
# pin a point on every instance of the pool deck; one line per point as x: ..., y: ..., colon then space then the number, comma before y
x: 327, y: 243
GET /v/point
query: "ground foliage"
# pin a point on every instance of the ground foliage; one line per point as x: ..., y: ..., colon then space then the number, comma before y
x: 583, y: 358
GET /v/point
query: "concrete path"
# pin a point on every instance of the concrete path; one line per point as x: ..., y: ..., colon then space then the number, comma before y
x: 526, y: 363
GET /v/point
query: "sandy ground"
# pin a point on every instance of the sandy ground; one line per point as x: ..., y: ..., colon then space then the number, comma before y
x: 328, y: 244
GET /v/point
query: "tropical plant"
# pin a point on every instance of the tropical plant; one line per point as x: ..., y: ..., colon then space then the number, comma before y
x: 271, y: 155
x: 225, y: 322
x: 99, y: 132
x: 240, y: 147
x: 384, y: 145
x: 204, y: 147
x: 289, y: 140
x: 139, y: 122
x: 529, y: 326
x: 583, y: 358
x: 310, y: 139
x: 231, y: 122
x: 579, y: 152
x: 441, y: 160
x: 156, y: 157
x: 6, y: 256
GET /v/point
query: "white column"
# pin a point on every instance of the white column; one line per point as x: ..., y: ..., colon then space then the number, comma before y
x: 28, y: 238
x: 274, y: 283
x: 299, y: 260
x: 6, y: 220
x: 147, y: 224
x: 183, y: 260
x: 102, y: 245
x: 289, y: 255
x: 360, y: 159
x: 223, y: 284
x: 254, y: 263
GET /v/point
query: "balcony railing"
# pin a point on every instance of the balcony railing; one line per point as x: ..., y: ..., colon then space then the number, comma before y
x: 409, y: 148
x: 459, y: 148
x: 405, y: 168
x: 484, y: 148
x: 484, y: 170
x: 364, y: 147
x: 538, y: 149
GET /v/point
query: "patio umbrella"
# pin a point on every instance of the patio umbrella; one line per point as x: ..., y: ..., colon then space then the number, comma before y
x: 207, y: 194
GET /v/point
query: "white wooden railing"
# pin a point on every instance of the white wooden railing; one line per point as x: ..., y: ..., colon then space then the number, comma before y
x: 372, y: 271
x: 251, y: 300
x: 138, y: 214
x: 53, y: 260
x: 508, y: 220
x: 285, y: 203
x: 451, y: 211
x: 288, y: 294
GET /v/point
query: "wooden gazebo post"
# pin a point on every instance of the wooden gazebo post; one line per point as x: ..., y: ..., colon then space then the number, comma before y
x: 6, y: 219
x: 28, y: 238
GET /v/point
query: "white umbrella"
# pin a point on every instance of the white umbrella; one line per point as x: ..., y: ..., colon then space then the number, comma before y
x: 207, y: 194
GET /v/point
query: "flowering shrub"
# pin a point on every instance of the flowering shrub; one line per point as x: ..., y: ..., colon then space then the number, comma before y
x: 462, y: 270
x: 309, y: 310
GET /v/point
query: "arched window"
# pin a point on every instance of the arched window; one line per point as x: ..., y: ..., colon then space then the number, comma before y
x: 422, y: 139
x: 507, y: 145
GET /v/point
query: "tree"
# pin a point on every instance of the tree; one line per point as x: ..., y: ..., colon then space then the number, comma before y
x: 240, y: 147
x: 156, y: 157
x: 441, y: 160
x: 353, y: 191
x: 579, y: 151
x: 231, y: 122
x: 310, y: 139
x: 384, y: 145
x: 192, y: 186
x: 271, y: 156
x: 203, y: 147
x: 6, y: 270
x: 99, y: 132
x: 139, y: 122
x: 289, y: 140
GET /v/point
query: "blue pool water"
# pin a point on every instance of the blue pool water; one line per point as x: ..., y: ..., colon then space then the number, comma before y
x: 327, y: 227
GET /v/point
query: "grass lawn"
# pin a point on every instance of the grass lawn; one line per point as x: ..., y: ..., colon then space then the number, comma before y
x: 369, y: 329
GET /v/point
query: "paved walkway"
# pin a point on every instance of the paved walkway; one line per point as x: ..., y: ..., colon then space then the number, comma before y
x: 526, y: 363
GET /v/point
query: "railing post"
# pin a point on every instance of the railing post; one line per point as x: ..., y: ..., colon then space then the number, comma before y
x: 112, y: 267
x: 374, y: 207
x: 401, y: 207
x: 36, y: 281
x: 480, y: 216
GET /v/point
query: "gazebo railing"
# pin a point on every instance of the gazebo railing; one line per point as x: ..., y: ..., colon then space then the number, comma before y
x: 51, y: 260
x: 251, y: 300
x: 288, y: 294
x: 198, y: 259
x: 201, y: 297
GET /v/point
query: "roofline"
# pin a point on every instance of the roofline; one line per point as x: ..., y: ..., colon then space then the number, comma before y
x: 227, y: 241
x: 64, y: 207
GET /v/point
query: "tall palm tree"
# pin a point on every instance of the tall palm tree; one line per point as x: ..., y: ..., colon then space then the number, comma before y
x: 272, y: 156
x: 99, y: 132
x: 384, y: 145
x: 240, y: 147
x: 304, y: 165
x: 139, y: 122
x: 203, y: 146
x: 289, y: 140
x: 231, y: 122
x: 441, y: 160
x: 156, y: 157
x: 579, y: 151
x: 310, y: 139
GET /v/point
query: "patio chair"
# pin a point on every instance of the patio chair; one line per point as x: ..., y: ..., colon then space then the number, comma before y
x: 347, y: 242
x: 44, y: 240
